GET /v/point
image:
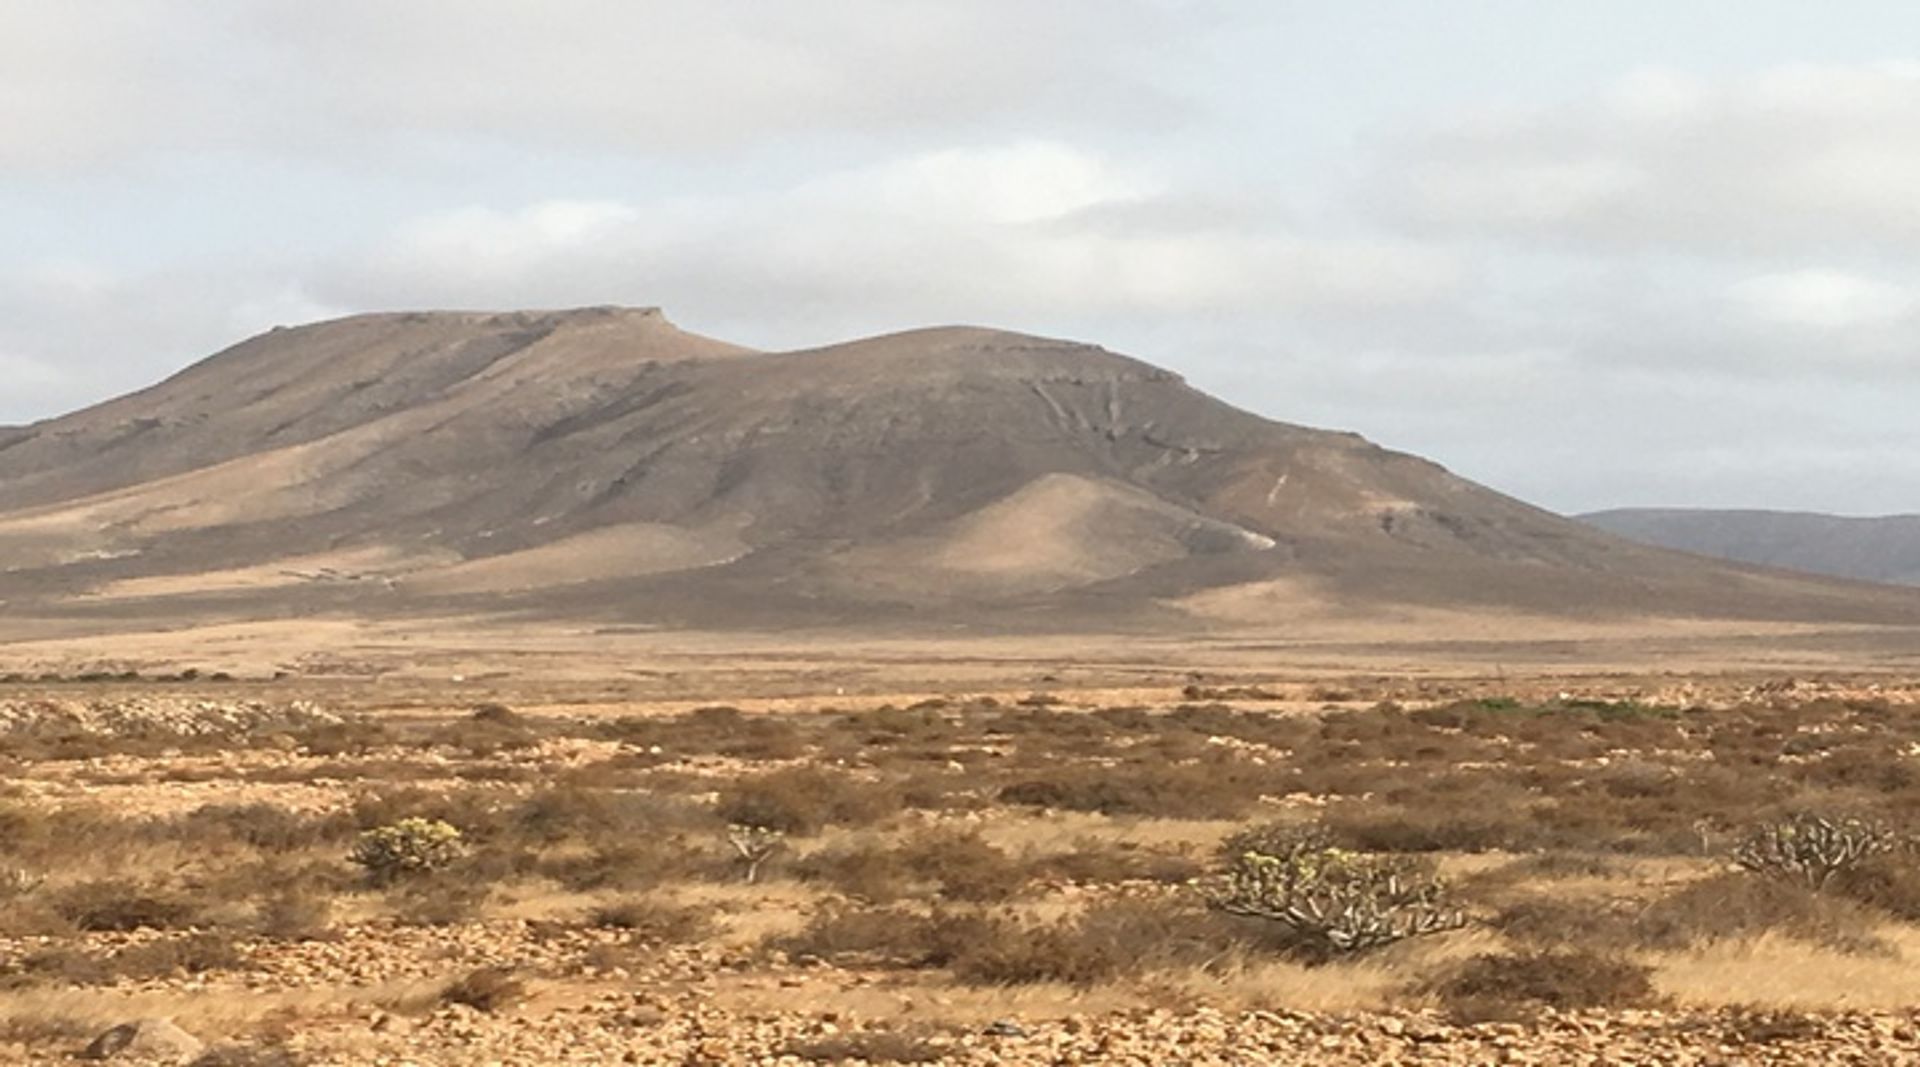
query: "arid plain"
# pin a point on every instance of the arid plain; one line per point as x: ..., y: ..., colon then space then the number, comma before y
x: 984, y: 849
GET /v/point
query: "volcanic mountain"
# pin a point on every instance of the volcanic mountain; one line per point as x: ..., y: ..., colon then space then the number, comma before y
x: 602, y: 463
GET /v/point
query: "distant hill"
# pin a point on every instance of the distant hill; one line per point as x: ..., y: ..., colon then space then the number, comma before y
x: 604, y: 464
x: 1869, y: 549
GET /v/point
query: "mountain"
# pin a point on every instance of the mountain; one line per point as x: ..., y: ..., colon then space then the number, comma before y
x: 604, y: 464
x: 1885, y: 549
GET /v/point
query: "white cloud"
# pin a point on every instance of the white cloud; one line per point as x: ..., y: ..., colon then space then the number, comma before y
x: 1004, y: 184
x: 1823, y: 300
x: 481, y: 244
x: 81, y: 83
x: 1791, y: 159
x: 1003, y: 234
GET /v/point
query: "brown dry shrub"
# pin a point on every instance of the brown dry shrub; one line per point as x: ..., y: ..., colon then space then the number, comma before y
x: 119, y: 905
x: 1477, y: 824
x: 1120, y: 937
x: 1736, y: 906
x: 161, y: 958
x: 479, y: 738
x: 893, y: 937
x: 1219, y: 787
x: 1127, y: 936
x: 193, y: 954
x: 924, y: 727
x: 443, y: 899
x: 1558, y: 922
x: 261, y: 827
x: 654, y: 922
x: 34, y: 916
x: 963, y: 866
x: 572, y: 812
x: 54, y: 966
x: 1516, y: 880
x: 355, y: 737
x: 717, y: 730
x: 803, y: 800
x: 1507, y: 984
x: 1889, y: 883
x: 870, y: 872
x: 1092, y: 861
x: 1008, y: 951
x: 639, y: 863
x: 1872, y: 767
x: 296, y: 913
x: 497, y: 714
x: 479, y: 813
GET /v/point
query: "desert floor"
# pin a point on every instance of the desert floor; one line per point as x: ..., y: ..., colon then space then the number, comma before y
x: 977, y: 849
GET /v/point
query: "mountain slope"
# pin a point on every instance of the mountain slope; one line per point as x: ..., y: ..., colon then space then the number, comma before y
x: 604, y: 463
x: 1885, y: 549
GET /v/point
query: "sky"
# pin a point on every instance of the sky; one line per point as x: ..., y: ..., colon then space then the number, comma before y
x: 1593, y: 253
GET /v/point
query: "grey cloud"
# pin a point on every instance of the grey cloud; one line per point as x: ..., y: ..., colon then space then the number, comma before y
x: 1797, y: 159
x: 638, y: 76
x: 994, y: 235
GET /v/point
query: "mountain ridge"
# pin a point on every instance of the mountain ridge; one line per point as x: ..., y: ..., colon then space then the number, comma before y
x: 1879, y: 548
x: 604, y: 462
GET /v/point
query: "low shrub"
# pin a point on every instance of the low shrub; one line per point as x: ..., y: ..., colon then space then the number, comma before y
x: 295, y: 913
x: 652, y: 921
x: 1562, y: 922
x: 1734, y: 906
x: 437, y: 901
x: 1095, y: 862
x: 120, y: 905
x: 1495, y: 985
x: 410, y: 847
x: 1129, y: 936
x: 1888, y: 882
x: 1811, y: 848
x: 891, y: 937
x: 804, y: 800
x: 1221, y: 787
x: 1333, y: 902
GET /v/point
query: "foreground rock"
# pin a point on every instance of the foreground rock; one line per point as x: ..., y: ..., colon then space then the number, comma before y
x: 154, y: 1041
x: 642, y: 1029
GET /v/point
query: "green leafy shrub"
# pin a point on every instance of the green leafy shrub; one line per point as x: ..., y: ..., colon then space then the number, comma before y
x: 408, y: 847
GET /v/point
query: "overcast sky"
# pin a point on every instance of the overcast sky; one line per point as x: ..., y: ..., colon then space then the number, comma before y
x: 1590, y: 252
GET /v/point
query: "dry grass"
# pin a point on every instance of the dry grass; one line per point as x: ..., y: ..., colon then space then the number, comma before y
x: 997, y: 858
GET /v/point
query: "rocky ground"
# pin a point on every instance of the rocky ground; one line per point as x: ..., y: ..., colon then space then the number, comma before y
x: 641, y: 1028
x: 177, y: 890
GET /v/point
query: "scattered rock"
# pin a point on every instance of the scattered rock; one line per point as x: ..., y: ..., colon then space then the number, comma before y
x: 148, y: 716
x: 145, y: 1039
